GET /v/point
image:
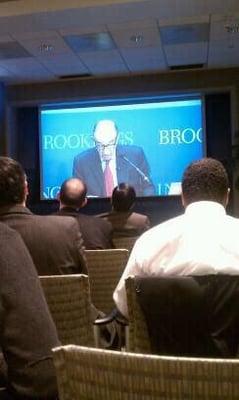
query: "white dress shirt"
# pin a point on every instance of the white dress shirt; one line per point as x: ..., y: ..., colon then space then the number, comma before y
x: 204, y: 240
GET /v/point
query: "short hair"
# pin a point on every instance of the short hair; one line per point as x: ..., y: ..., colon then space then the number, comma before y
x: 123, y: 197
x: 12, y: 182
x: 72, y: 198
x: 205, y: 179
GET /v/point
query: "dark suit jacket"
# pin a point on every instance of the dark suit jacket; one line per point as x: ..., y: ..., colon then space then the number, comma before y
x: 96, y: 233
x: 191, y: 316
x: 55, y: 244
x: 87, y: 166
x: 27, y: 332
x: 127, y: 223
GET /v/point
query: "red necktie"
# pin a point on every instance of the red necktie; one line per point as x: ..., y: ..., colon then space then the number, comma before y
x: 109, y: 181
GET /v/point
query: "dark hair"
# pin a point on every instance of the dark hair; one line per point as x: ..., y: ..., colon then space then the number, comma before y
x: 12, y: 182
x: 123, y: 197
x: 73, y: 197
x: 205, y: 179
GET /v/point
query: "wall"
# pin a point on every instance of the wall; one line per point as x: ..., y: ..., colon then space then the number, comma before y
x: 201, y: 81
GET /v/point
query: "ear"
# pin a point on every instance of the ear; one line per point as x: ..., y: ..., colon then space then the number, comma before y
x: 183, y: 200
x: 26, y: 191
x: 226, y: 199
x: 84, y: 202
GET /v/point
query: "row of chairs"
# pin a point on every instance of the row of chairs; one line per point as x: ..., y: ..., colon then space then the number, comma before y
x: 94, y: 374
x: 184, y: 316
x: 85, y: 372
x: 70, y: 297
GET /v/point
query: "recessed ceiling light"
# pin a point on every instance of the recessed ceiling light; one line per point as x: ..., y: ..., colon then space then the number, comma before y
x: 46, y: 47
x: 137, y: 38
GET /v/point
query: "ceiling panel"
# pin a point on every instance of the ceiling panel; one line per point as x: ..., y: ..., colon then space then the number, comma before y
x: 90, y: 42
x: 136, y: 34
x: 104, y: 61
x: 62, y: 65
x: 25, y: 67
x: 36, y: 45
x: 186, y: 54
x: 220, y: 25
x: 222, y: 54
x: 148, y: 58
x: 188, y: 33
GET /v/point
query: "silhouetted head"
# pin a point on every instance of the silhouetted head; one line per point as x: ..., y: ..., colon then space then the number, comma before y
x: 205, y: 179
x: 105, y: 136
x: 73, y: 193
x: 123, y: 197
x: 13, y: 183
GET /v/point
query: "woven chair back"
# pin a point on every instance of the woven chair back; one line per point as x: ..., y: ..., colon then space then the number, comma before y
x: 138, y: 336
x: 68, y: 298
x: 125, y: 242
x: 105, y: 269
x: 94, y: 374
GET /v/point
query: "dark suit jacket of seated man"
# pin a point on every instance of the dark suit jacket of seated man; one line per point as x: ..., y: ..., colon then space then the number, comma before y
x: 55, y: 244
x: 87, y: 166
x: 96, y: 233
x: 124, y: 221
x: 27, y: 331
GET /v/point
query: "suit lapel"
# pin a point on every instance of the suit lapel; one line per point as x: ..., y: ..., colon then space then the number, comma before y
x: 97, y: 172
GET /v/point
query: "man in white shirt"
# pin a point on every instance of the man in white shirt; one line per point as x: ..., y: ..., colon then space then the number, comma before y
x: 204, y: 240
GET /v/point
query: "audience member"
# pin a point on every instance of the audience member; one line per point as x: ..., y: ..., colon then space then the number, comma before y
x: 96, y: 233
x: 124, y: 221
x: 55, y: 244
x: 204, y: 240
x: 27, y: 331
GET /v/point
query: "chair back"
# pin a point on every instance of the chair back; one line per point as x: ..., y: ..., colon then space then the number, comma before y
x: 125, y: 242
x: 69, y: 302
x: 190, y: 316
x: 105, y: 269
x: 94, y: 374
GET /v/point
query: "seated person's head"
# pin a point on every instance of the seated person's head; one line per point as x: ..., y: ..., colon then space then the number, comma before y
x: 13, y: 184
x: 205, y: 180
x: 73, y: 193
x: 123, y: 197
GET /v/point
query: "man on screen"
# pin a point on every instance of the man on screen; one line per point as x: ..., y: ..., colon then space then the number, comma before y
x: 109, y: 163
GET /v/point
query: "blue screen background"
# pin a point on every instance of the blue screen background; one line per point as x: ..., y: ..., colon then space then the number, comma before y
x: 170, y: 133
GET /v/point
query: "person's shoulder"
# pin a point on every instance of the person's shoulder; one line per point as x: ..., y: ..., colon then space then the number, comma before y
x: 138, y: 216
x: 7, y: 233
x: 85, y: 155
x: 95, y: 220
x: 129, y: 148
x: 56, y: 222
x: 167, y: 230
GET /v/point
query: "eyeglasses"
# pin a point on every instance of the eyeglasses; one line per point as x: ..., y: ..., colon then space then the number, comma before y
x: 104, y: 146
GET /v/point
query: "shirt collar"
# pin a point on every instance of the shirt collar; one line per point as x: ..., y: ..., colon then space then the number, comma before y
x: 205, y: 207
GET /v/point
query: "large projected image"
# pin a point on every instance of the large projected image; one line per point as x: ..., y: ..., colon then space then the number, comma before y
x: 146, y: 144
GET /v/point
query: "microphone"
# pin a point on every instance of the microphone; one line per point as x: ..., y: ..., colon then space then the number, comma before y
x: 140, y: 172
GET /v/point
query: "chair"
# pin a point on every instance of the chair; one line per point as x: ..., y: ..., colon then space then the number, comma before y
x: 105, y: 269
x: 93, y: 374
x: 191, y: 316
x: 125, y: 242
x: 69, y: 302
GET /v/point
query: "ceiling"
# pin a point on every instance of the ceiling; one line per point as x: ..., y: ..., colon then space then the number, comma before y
x: 45, y: 41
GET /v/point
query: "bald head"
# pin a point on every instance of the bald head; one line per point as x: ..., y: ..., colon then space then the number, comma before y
x: 105, y: 136
x: 73, y: 193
